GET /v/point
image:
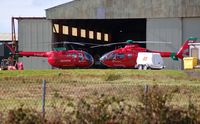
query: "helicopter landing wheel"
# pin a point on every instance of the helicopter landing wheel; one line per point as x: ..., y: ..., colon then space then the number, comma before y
x: 145, y: 67
x: 140, y: 67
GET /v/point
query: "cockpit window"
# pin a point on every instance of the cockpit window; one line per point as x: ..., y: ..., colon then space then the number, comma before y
x: 108, y: 56
x: 88, y: 56
x: 80, y: 56
x: 120, y: 56
x: 111, y: 56
x: 129, y: 55
x: 74, y: 55
x: 69, y: 55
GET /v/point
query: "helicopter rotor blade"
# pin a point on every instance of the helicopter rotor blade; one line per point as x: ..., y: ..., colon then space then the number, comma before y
x: 110, y: 44
x: 76, y: 43
x: 162, y: 42
x: 93, y: 45
x: 134, y: 42
x: 66, y: 42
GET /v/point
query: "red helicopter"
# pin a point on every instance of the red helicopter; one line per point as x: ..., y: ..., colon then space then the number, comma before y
x: 126, y: 57
x: 61, y: 58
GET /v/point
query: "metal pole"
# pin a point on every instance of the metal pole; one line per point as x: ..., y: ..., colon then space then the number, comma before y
x: 43, y: 97
x: 146, y: 88
x: 13, y: 34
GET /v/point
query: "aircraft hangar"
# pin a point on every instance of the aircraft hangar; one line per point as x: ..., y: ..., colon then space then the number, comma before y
x: 108, y: 21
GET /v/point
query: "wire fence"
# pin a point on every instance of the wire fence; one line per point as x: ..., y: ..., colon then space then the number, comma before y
x: 66, y: 93
x: 32, y: 94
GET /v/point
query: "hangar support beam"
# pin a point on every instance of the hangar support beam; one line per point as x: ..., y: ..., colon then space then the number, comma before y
x: 14, y: 43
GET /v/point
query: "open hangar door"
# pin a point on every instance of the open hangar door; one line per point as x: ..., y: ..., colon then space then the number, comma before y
x: 98, y: 31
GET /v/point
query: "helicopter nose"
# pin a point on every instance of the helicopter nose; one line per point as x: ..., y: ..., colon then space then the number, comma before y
x: 102, y: 60
x: 91, y: 61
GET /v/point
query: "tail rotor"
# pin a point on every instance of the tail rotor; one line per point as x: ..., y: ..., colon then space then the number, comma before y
x: 184, y: 50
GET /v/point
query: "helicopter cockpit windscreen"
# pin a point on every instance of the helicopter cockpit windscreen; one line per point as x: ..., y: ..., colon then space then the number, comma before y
x: 120, y: 56
x: 88, y: 57
x: 108, y: 56
x: 112, y: 56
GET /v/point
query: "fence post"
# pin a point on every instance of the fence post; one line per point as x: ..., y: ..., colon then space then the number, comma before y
x: 43, y: 97
x: 146, y: 89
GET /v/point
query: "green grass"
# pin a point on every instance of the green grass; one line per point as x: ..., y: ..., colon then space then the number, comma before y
x: 124, y: 72
x: 25, y: 87
x: 28, y: 73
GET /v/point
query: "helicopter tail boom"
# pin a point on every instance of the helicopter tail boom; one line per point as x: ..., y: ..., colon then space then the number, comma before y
x: 184, y: 50
x: 36, y: 54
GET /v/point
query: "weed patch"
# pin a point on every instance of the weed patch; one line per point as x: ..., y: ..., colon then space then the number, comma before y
x: 112, y: 77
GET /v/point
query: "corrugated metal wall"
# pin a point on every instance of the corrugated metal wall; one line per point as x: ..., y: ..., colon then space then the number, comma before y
x: 35, y: 35
x: 165, y: 30
x: 89, y: 9
x: 191, y: 27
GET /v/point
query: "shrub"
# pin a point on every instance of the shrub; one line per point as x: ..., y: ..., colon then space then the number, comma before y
x: 1, y: 118
x: 153, y: 108
x: 104, y: 109
x: 23, y: 116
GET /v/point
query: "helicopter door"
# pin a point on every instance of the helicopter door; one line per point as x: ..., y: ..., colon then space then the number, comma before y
x: 70, y: 59
x: 74, y: 59
x: 130, y: 59
x: 80, y: 57
x: 81, y: 60
x: 119, y: 60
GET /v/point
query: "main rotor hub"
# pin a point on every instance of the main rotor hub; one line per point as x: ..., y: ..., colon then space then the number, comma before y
x: 129, y: 41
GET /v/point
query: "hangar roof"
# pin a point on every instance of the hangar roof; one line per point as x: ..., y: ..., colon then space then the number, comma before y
x: 110, y: 9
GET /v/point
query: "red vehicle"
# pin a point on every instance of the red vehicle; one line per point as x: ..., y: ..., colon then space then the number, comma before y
x: 126, y: 57
x: 61, y: 58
